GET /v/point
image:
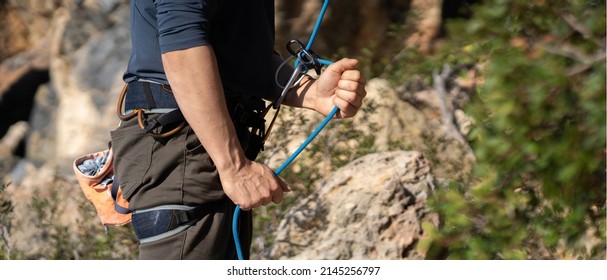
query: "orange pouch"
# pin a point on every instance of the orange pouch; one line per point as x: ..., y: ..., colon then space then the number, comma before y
x: 100, y: 195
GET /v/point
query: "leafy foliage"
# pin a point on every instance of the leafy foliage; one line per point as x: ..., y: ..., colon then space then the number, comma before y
x: 90, y: 240
x: 6, y: 210
x: 63, y: 239
x: 539, y: 190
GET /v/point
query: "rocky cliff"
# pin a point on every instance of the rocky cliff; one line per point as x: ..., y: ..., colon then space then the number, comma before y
x: 60, y: 75
x: 372, y: 208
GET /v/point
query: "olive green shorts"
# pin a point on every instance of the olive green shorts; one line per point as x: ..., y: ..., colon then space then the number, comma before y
x: 178, y: 170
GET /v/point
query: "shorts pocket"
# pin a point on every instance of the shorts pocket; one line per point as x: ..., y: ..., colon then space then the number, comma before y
x: 132, y: 156
x: 201, y: 179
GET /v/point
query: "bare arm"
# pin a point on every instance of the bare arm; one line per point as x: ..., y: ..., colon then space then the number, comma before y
x: 194, y: 78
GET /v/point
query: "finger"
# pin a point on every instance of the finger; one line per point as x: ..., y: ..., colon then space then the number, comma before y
x: 249, y: 206
x: 266, y: 196
x: 342, y: 65
x: 353, y: 75
x: 348, y: 85
x: 354, y: 81
x: 267, y: 201
x: 255, y: 199
x: 278, y: 194
x: 350, y: 97
x: 346, y: 109
x: 277, y: 199
x: 361, y: 91
x: 245, y: 204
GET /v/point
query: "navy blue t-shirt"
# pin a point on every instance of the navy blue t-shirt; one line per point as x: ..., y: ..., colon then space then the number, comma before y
x: 241, y: 33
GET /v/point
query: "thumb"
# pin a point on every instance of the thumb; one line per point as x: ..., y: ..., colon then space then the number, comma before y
x: 342, y: 65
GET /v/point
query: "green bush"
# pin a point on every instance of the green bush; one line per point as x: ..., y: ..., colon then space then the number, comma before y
x: 88, y: 240
x: 6, y: 213
x: 85, y: 240
x: 539, y: 187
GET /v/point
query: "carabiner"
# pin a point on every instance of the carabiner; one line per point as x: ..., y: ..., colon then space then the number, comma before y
x: 308, y: 58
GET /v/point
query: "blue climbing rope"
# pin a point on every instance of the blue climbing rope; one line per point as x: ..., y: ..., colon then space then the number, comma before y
x: 315, y: 133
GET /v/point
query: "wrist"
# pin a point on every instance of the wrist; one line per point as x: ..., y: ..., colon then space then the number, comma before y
x: 307, y: 92
x: 232, y: 160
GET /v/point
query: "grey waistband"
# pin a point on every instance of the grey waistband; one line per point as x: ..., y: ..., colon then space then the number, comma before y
x: 153, y: 111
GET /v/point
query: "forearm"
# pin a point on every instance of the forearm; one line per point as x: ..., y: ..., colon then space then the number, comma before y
x: 302, y: 95
x: 194, y: 78
x: 296, y: 97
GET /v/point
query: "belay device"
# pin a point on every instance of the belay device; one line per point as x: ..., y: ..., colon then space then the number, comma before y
x: 306, y: 59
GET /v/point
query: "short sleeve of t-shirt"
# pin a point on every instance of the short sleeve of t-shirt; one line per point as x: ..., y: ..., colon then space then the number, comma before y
x: 183, y: 24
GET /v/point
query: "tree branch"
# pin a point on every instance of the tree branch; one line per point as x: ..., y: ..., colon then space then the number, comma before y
x: 440, y: 81
x: 581, y: 28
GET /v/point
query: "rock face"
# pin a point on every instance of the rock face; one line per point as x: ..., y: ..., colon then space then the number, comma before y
x: 24, y: 23
x: 371, y: 208
x: 428, y: 118
x: 86, y: 76
x: 84, y: 57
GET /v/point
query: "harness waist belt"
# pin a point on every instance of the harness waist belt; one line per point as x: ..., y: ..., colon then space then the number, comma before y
x: 159, y: 98
x: 145, y: 95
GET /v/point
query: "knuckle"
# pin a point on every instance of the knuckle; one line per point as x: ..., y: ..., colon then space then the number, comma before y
x: 353, y: 75
x: 345, y: 105
x: 348, y: 85
x: 274, y: 187
x: 363, y: 92
x: 350, y: 112
x: 265, y: 196
x: 348, y: 96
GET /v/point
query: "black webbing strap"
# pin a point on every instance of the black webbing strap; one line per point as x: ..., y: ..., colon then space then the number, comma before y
x: 114, y: 191
x: 174, y: 116
x: 184, y: 216
x: 149, y: 96
x: 241, y: 115
x: 165, y: 119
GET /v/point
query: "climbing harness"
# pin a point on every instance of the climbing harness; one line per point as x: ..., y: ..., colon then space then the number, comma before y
x: 168, y: 110
x: 158, y: 116
x: 306, y: 60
